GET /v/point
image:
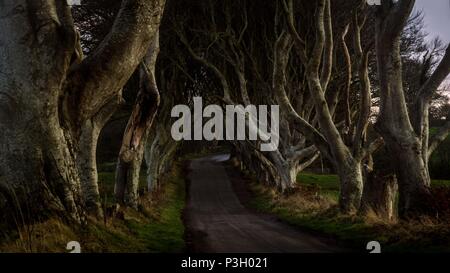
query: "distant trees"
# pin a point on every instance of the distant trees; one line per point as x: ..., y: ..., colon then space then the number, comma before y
x: 236, y: 52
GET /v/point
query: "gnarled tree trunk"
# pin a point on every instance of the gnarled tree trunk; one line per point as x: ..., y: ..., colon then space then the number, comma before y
x: 414, y: 182
x: 136, y: 133
x: 351, y: 184
x: 50, y: 98
x: 379, y: 196
x: 87, y: 158
x: 37, y: 162
x: 159, y: 154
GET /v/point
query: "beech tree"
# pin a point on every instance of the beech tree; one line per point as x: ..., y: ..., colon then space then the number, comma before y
x: 161, y: 150
x: 64, y: 99
x: 94, y: 19
x: 348, y: 157
x: 136, y: 133
x: 405, y: 128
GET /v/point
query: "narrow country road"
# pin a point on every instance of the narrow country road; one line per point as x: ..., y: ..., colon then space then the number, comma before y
x: 218, y: 223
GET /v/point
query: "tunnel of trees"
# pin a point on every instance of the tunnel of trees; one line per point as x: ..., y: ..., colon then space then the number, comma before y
x: 359, y: 88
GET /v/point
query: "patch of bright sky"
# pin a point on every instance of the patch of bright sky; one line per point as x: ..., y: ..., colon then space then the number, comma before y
x: 437, y: 23
x: 437, y: 18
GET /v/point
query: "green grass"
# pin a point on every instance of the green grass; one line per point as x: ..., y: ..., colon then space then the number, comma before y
x: 440, y: 183
x: 330, y: 182
x: 164, y: 234
x: 106, y: 181
x: 162, y: 230
x: 324, y: 181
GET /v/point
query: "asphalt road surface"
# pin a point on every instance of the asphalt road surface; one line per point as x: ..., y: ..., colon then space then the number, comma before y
x: 218, y: 223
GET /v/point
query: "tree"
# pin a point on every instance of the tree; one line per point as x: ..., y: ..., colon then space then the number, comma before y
x: 405, y: 129
x: 348, y: 157
x: 136, y: 133
x: 64, y: 98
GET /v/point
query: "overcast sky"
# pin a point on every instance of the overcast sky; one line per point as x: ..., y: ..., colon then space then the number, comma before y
x: 437, y: 17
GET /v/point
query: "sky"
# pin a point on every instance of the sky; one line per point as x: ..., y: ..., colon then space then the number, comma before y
x: 437, y: 17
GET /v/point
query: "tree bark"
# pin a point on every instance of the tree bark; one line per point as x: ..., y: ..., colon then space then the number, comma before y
x: 158, y: 155
x: 379, y: 195
x: 87, y: 157
x: 351, y: 184
x: 415, y: 198
x: 38, y: 159
x: 135, y: 136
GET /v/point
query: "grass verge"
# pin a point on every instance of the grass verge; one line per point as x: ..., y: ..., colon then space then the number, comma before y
x: 313, y: 207
x: 156, y: 228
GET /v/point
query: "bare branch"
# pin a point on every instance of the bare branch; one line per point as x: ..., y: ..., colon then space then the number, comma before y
x: 372, y: 147
x: 327, y: 63
x: 366, y: 97
x: 437, y: 78
x: 299, y: 43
